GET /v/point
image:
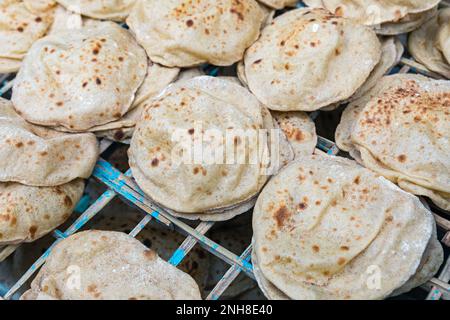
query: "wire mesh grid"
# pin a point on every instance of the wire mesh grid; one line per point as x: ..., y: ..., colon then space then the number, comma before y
x: 122, y: 185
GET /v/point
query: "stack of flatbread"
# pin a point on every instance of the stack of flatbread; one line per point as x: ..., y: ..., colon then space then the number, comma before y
x: 177, y: 34
x: 22, y: 22
x: 205, y: 148
x: 93, y: 78
x: 327, y: 228
x: 386, y: 17
x: 106, y: 265
x: 41, y: 172
x: 430, y: 45
x: 401, y: 130
x: 304, y: 60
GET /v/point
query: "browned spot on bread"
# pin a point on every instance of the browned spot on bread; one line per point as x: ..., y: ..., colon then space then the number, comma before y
x: 191, y: 131
x: 150, y: 255
x: 33, y: 230
x: 341, y: 261
x: 155, y: 162
x: 345, y: 248
x: 19, y: 145
x: 68, y: 202
x: 282, y: 215
x: 401, y: 158
x: 316, y: 248
x: 190, y: 23
x: 357, y: 180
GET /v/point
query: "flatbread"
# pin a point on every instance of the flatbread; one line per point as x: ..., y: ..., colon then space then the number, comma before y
x: 303, y: 60
x: 39, y: 156
x: 391, y: 52
x: 432, y: 260
x: 324, y: 228
x: 110, y: 266
x: 407, y: 24
x: 300, y: 131
x: 116, y: 10
x: 428, y: 44
x: 374, y: 12
x: 82, y: 78
x: 177, y: 35
x: 21, y: 24
x: 162, y: 146
x: 400, y: 129
x: 29, y: 213
x: 279, y: 4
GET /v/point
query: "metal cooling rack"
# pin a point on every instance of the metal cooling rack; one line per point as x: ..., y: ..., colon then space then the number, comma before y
x: 123, y: 185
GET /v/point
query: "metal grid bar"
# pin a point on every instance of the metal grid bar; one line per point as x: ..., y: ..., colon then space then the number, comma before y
x: 124, y: 186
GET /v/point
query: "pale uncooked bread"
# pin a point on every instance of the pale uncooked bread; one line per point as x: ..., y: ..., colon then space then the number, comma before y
x: 186, y: 109
x: 116, y: 10
x: 21, y: 24
x: 300, y: 131
x: 325, y: 225
x: 111, y: 266
x: 374, y: 12
x: 82, y: 78
x: 400, y: 129
x: 179, y: 35
x: 430, y: 44
x: 29, y: 213
x: 303, y: 60
x: 279, y: 4
x: 39, y: 156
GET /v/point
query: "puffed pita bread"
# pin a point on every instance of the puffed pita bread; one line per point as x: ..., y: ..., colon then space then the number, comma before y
x: 374, y: 12
x: 188, y: 108
x: 279, y: 4
x: 29, y: 213
x: 324, y: 224
x: 303, y: 59
x: 116, y: 10
x: 156, y: 80
x: 82, y: 78
x: 113, y: 266
x: 427, y: 45
x: 22, y: 23
x: 38, y: 156
x: 299, y: 129
x: 177, y: 35
x: 400, y: 129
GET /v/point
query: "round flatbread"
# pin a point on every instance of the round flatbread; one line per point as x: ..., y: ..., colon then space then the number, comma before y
x: 430, y: 45
x: 327, y: 228
x: 39, y: 156
x: 177, y: 35
x: 202, y: 147
x: 407, y: 24
x: 29, y: 213
x: 21, y: 24
x: 116, y: 10
x: 400, y: 129
x: 107, y: 265
x: 300, y: 131
x: 374, y: 12
x: 303, y: 60
x: 82, y: 78
x: 431, y: 262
